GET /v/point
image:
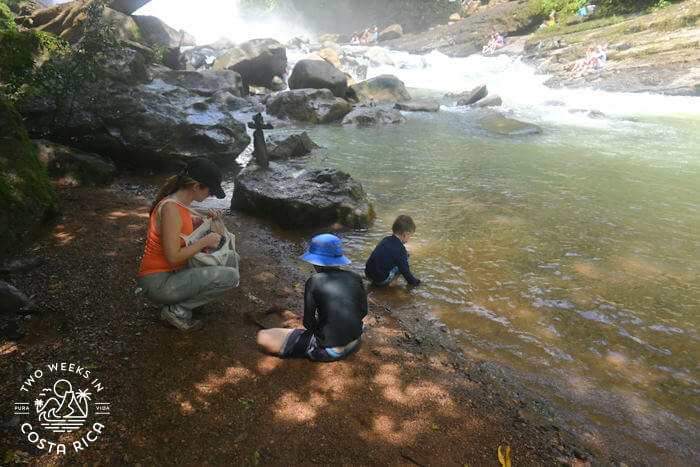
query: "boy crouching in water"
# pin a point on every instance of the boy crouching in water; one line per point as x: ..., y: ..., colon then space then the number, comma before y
x: 390, y: 256
x: 335, y: 302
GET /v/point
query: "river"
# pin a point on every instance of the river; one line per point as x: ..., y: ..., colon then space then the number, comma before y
x: 568, y: 260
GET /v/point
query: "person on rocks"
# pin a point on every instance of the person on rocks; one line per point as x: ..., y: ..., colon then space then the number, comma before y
x: 375, y: 34
x: 335, y: 302
x: 390, y: 256
x: 164, y: 275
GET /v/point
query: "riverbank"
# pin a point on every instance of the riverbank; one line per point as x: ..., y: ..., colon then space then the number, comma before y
x: 211, y: 397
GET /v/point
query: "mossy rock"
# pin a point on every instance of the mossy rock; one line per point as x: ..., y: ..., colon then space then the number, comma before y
x: 7, y: 19
x: 26, y: 195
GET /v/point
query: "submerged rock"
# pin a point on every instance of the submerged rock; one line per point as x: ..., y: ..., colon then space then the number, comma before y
x: 470, y: 97
x: 306, y: 198
x: 381, y: 88
x: 308, y: 105
x: 73, y: 166
x: 491, y: 100
x: 418, y: 106
x: 289, y: 146
x: 366, y: 116
x: 318, y: 74
x: 507, y: 126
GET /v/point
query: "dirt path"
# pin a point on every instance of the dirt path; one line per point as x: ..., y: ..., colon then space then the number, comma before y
x: 210, y: 397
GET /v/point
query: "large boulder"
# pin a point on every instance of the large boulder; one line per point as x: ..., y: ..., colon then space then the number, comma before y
x: 26, y: 195
x: 368, y: 116
x: 205, y: 82
x: 392, y: 32
x: 151, y: 125
x: 258, y: 61
x: 155, y: 31
x: 66, y: 21
x: 501, y: 125
x: 334, y: 47
x: 381, y: 88
x: 470, y: 97
x: 73, y: 166
x: 289, y: 146
x: 379, y: 56
x: 318, y: 74
x: 126, y: 6
x: 308, y: 105
x: 301, y: 199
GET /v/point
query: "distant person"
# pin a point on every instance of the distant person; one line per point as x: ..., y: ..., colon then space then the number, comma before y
x: 355, y: 40
x: 600, y: 57
x: 165, y: 277
x: 390, y: 256
x: 365, y: 36
x: 335, y: 302
x: 375, y: 35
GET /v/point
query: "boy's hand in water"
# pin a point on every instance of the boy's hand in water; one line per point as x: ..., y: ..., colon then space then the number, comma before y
x: 215, y: 213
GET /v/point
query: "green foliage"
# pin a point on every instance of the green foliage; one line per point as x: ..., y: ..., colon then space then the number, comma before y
x: 68, y: 79
x: 7, y: 21
x: 159, y: 51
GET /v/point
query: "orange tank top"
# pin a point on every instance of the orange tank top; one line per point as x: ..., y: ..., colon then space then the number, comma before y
x: 153, y: 257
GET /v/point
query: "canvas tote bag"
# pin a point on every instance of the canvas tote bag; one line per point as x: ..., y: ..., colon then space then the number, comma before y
x: 219, y: 257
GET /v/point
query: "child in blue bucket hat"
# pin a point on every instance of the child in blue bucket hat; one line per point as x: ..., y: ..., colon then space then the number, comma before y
x: 335, y: 302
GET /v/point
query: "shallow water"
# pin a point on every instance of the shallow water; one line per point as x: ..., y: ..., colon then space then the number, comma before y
x: 569, y: 258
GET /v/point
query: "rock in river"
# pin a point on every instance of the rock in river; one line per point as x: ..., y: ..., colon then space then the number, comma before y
x: 366, y: 116
x: 318, y: 75
x: 381, y: 88
x: 507, y: 126
x: 308, y: 105
x: 289, y: 146
x: 302, y: 198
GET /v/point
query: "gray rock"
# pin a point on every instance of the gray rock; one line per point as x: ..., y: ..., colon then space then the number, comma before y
x: 298, y: 42
x: 311, y: 197
x: 155, y: 31
x: 12, y: 301
x: 333, y: 46
x: 13, y: 330
x: 230, y: 101
x: 258, y: 61
x: 206, y: 82
x: 418, y: 106
x: 497, y: 123
x: 392, y: 32
x: 73, y: 166
x: 381, y: 88
x: 151, y: 125
x: 491, y: 100
x: 368, y: 116
x: 318, y: 74
x: 20, y: 265
x: 468, y: 98
x: 308, y: 105
x: 378, y: 55
x: 289, y: 146
x: 126, y: 6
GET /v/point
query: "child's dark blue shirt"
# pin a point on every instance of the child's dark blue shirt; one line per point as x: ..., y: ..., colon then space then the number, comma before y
x: 389, y: 253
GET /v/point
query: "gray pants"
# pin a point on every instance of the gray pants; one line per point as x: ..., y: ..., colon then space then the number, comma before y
x: 189, y: 288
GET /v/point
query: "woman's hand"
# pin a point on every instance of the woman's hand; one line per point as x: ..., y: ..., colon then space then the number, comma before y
x: 215, y: 213
x: 211, y: 240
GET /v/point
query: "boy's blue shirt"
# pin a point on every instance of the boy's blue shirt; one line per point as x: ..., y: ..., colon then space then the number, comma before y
x: 389, y: 253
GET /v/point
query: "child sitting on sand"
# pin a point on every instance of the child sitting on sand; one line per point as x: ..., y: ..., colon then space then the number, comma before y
x: 335, y: 302
x: 390, y: 256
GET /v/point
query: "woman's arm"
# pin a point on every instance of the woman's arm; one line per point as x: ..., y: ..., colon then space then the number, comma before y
x: 171, y: 226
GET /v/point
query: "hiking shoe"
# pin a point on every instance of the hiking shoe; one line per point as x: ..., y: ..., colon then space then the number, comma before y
x: 167, y: 315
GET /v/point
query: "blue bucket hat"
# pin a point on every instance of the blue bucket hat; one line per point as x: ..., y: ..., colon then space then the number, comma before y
x: 325, y: 250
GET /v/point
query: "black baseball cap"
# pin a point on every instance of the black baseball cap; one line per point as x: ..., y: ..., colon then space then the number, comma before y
x: 207, y: 173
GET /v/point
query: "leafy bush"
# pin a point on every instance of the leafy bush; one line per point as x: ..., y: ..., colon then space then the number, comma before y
x: 7, y: 21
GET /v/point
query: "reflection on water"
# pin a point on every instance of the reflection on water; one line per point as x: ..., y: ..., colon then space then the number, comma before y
x: 570, y: 258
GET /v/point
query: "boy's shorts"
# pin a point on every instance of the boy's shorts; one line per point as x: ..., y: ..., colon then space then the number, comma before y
x: 394, y: 271
x: 302, y: 343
